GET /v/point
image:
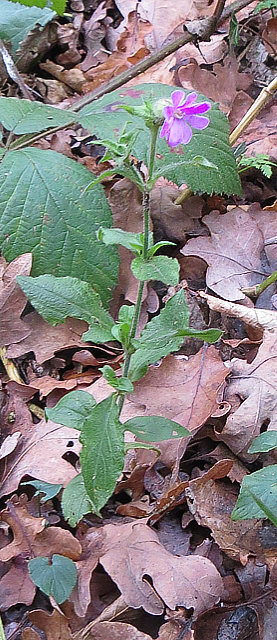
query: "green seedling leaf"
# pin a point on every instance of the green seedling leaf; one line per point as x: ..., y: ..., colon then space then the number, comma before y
x: 140, y: 445
x: 132, y: 241
x: 263, y: 443
x: 104, y: 115
x: 57, y: 298
x: 165, y: 333
x: 23, y: 116
x: 44, y: 210
x: 265, y: 4
x: 159, y: 245
x: 72, y: 410
x: 261, y: 161
x: 102, y: 454
x: 234, y: 30
x: 122, y: 385
x: 57, y: 579
x: 50, y: 490
x: 155, y: 428
x: 258, y: 496
x: 75, y: 501
x: 121, y: 329
x: 157, y: 268
x: 17, y: 21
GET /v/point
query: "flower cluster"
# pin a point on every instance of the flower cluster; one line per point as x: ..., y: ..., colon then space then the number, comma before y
x: 183, y: 115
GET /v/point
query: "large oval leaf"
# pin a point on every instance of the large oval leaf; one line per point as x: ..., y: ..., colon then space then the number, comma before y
x: 45, y: 210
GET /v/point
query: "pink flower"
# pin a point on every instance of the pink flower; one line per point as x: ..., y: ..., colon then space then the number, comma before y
x: 182, y: 116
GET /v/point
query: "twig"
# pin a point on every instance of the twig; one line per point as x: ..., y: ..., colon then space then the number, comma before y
x: 135, y: 71
x: 266, y: 93
x: 13, y: 72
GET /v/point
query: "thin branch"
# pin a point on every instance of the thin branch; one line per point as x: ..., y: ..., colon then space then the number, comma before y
x: 14, y: 73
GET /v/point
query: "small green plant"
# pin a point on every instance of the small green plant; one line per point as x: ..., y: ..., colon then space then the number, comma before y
x: 56, y: 579
x: 261, y: 161
x: 258, y: 493
x: 265, y: 5
x: 75, y: 259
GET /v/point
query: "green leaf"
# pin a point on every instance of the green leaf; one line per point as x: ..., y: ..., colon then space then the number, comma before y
x: 258, y: 496
x: 72, y: 410
x: 157, y: 268
x: 122, y: 385
x: 165, y: 333
x: 102, y: 454
x: 104, y: 115
x: 234, y: 30
x: 17, y: 21
x: 132, y: 241
x: 23, y: 116
x: 155, y: 428
x: 57, y: 5
x: 57, y: 579
x: 57, y: 298
x: 159, y: 245
x: 50, y: 490
x: 75, y: 501
x: 44, y: 210
x: 263, y: 443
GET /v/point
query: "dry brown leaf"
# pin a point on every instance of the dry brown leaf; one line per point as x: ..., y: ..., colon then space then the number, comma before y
x: 30, y: 634
x: 31, y: 538
x: 130, y: 49
x: 233, y: 252
x: 261, y: 136
x: 170, y: 220
x: 269, y: 36
x: 12, y: 299
x: 16, y: 585
x: 45, y: 340
x: 206, y: 52
x: 116, y: 631
x: 220, y: 85
x: 132, y: 551
x: 212, y: 503
x: 255, y: 384
x: 73, y: 78
x: 39, y: 454
x: 251, y: 316
x: 54, y: 625
x: 181, y: 390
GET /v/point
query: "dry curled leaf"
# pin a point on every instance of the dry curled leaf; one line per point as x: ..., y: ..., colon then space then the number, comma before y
x: 131, y: 554
x: 13, y: 300
x: 39, y: 453
x: 256, y: 385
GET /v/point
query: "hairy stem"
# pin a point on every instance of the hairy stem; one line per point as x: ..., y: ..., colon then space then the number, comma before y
x: 146, y: 233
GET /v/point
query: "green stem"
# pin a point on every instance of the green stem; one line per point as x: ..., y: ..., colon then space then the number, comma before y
x: 254, y: 292
x: 146, y: 234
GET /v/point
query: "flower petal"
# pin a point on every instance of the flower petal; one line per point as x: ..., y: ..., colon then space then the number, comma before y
x: 201, y: 107
x: 191, y: 97
x: 165, y: 129
x: 177, y: 97
x: 168, y: 112
x: 179, y: 133
x: 197, y: 122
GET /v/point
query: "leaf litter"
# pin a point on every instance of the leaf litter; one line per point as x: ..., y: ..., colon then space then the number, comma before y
x: 193, y: 484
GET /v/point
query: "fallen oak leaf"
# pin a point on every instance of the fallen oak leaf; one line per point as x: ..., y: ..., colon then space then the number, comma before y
x: 39, y: 453
x: 255, y: 384
x: 131, y: 553
x: 233, y: 252
x: 55, y: 625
